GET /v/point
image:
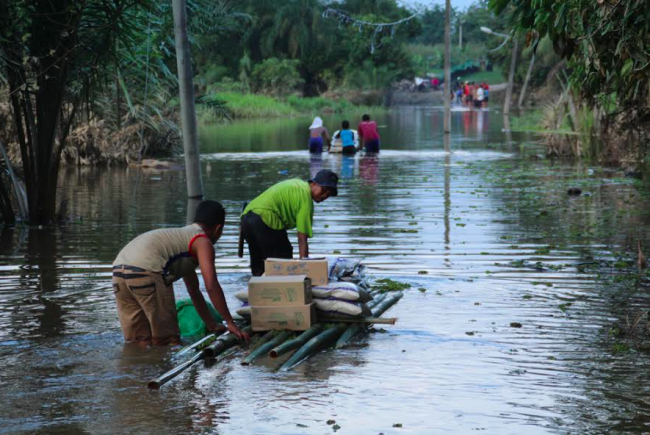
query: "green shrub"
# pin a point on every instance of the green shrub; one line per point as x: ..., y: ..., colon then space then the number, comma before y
x: 277, y: 77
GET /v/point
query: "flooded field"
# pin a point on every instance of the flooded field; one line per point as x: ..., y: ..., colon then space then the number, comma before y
x: 515, y: 322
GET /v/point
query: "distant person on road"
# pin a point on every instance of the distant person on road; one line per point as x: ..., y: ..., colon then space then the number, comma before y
x: 480, y: 96
x: 348, y: 138
x: 145, y: 269
x: 486, y: 94
x: 284, y: 206
x: 369, y: 137
x: 317, y: 134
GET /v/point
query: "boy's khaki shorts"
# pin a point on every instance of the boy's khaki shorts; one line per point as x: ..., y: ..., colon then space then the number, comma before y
x: 145, y: 305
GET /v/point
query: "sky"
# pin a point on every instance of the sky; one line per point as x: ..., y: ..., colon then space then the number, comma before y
x: 459, y: 4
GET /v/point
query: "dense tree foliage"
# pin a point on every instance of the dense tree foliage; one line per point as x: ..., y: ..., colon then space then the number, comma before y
x: 606, y: 42
x: 327, y: 52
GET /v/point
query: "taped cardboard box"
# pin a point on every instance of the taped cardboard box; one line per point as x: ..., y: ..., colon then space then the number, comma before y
x: 316, y: 269
x: 298, y: 318
x: 279, y: 290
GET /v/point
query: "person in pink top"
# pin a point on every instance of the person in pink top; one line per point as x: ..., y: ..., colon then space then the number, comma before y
x: 369, y: 137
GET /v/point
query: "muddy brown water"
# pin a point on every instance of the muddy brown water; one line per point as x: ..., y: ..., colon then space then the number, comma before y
x: 483, y: 232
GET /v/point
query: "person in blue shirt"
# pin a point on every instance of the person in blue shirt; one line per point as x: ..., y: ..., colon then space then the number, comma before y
x: 348, y: 139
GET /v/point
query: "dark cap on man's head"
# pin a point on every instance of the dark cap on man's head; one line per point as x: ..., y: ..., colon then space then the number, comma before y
x: 327, y: 178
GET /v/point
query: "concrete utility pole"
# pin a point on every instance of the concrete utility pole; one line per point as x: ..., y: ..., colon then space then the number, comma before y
x: 446, y: 91
x: 511, y: 76
x: 188, y: 113
x: 460, y: 35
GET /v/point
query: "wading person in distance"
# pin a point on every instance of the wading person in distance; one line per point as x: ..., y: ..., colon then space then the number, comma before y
x: 145, y: 269
x: 317, y: 135
x: 283, y: 206
x: 369, y: 137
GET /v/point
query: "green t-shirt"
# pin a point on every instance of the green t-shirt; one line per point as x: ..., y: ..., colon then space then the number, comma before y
x: 285, y: 205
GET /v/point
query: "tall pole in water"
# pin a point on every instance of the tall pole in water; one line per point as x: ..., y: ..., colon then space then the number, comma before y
x: 446, y: 91
x: 188, y: 113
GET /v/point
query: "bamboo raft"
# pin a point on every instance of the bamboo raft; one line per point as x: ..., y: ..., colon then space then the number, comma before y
x: 275, y: 344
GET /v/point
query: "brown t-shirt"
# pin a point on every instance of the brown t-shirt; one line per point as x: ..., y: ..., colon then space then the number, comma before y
x: 166, y: 251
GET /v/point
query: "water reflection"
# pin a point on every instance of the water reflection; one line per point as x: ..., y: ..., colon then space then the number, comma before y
x: 442, y: 212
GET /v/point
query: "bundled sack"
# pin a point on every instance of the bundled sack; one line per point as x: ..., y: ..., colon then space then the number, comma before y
x: 347, y: 269
x: 242, y: 296
x: 244, y: 311
x: 345, y: 291
x: 336, y: 307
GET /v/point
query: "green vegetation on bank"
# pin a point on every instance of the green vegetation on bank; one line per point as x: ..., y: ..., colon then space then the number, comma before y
x: 492, y: 77
x: 247, y: 106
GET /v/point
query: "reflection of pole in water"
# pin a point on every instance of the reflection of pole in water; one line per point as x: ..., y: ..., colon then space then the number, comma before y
x: 447, y: 196
x: 506, y: 130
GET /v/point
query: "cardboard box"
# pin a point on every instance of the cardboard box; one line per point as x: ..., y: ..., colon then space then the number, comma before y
x: 288, y: 291
x: 316, y: 268
x: 299, y: 318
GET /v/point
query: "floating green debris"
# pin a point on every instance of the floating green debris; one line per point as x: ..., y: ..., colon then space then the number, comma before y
x: 527, y: 296
x: 336, y: 251
x: 397, y: 425
x: 460, y: 225
x: 422, y: 289
x: 384, y: 285
x: 422, y: 272
x: 301, y: 425
x: 564, y: 307
x: 621, y: 348
x: 544, y: 250
x: 515, y: 325
x: 404, y: 230
x: 470, y: 333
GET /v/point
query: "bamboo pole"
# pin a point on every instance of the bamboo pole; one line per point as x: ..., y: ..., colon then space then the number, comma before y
x: 198, y: 346
x: 355, y: 328
x: 223, y: 343
x: 380, y: 308
x: 263, y: 349
x: 296, y: 342
x: 363, y: 320
x: 314, y: 345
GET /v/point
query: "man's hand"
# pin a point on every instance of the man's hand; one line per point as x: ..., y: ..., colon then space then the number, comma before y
x: 217, y: 329
x: 238, y: 332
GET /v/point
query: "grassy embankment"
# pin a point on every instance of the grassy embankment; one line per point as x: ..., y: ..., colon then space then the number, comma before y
x: 248, y: 106
x: 490, y: 77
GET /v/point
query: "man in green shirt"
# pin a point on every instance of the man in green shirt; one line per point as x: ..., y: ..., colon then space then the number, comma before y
x: 284, y: 206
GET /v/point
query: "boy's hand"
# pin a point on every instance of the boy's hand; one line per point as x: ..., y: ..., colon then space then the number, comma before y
x: 238, y: 332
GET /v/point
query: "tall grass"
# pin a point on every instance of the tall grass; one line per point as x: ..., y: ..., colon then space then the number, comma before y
x: 247, y: 106
x: 255, y: 105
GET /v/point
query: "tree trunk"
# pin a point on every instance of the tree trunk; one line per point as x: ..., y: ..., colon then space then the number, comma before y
x: 522, y: 96
x: 6, y: 210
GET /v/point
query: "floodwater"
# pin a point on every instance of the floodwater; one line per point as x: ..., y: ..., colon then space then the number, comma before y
x: 480, y: 227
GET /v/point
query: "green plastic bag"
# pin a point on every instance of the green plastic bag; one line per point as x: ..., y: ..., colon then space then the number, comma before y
x: 189, y: 321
